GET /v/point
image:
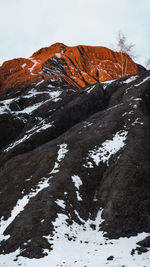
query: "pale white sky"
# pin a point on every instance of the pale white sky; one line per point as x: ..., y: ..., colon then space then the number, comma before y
x: 28, y: 25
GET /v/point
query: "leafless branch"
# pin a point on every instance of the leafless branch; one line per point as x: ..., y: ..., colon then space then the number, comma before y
x: 147, y: 63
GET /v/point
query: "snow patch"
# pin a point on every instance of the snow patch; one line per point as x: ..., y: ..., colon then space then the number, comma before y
x: 62, y: 152
x: 146, y: 79
x: 77, y: 181
x: 61, y: 155
x: 89, y: 89
x: 87, y: 124
x: 60, y: 203
x: 23, y: 66
x: 30, y: 109
x: 106, y: 83
x: 58, y: 55
x: 20, y: 205
x: 35, y: 63
x: 82, y: 245
x: 4, y: 105
x: 79, y: 198
x: 39, y: 83
x: 42, y: 126
x: 88, y: 165
x: 137, y: 122
x: 78, y: 216
x: 138, y: 99
x: 108, y: 148
x: 54, y: 95
x: 131, y: 79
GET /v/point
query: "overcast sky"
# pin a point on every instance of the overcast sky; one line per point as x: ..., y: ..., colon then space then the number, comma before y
x: 28, y: 25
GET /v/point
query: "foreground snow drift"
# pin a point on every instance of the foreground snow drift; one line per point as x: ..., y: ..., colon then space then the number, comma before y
x: 83, y: 245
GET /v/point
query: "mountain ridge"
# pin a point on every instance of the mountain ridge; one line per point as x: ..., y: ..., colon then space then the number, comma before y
x: 74, y: 172
x: 66, y: 66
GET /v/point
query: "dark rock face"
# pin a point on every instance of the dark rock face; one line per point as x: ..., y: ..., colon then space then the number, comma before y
x: 145, y: 242
x: 74, y: 152
x: 110, y: 258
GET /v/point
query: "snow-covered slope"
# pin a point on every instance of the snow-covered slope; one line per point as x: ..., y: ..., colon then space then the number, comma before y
x: 83, y: 245
x: 74, y: 174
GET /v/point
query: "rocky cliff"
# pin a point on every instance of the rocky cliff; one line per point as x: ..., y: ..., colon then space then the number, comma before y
x: 75, y: 164
x: 67, y: 67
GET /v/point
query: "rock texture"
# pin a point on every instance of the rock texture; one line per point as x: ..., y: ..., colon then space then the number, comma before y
x: 67, y: 67
x: 73, y: 152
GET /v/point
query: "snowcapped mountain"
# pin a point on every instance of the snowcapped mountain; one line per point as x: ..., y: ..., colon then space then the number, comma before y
x: 74, y: 159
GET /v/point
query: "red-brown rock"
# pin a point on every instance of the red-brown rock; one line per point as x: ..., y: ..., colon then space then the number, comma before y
x: 66, y: 66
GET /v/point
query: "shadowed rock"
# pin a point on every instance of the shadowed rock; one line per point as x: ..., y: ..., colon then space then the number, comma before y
x: 73, y: 152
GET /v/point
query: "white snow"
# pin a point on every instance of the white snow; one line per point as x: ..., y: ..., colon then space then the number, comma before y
x: 89, y: 89
x: 12, y: 145
x: 131, y: 79
x: 4, y: 105
x: 29, y: 109
x: 23, y: 66
x: 138, y: 99
x: 106, y: 83
x: 78, y: 216
x: 31, y: 93
x: 88, y: 247
x: 60, y: 203
x: 79, y: 198
x: 137, y: 122
x: 40, y: 82
x: 35, y: 63
x: 62, y: 152
x: 95, y: 197
x: 58, y: 55
x: 61, y: 155
x: 87, y: 124
x: 35, y: 92
x: 50, y: 86
x: 77, y: 181
x: 134, y: 106
x: 54, y: 96
x: 88, y: 165
x: 108, y: 148
x: 147, y: 78
x: 21, y: 203
x: 128, y: 113
x: 55, y: 169
x: 45, y: 126
x: 40, y: 127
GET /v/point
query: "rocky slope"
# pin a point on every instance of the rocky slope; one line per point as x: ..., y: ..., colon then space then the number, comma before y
x: 75, y: 169
x: 67, y: 67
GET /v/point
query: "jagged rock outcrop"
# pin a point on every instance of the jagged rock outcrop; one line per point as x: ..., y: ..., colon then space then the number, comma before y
x: 66, y: 67
x: 74, y: 158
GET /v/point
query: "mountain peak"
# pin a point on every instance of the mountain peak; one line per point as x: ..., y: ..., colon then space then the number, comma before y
x: 65, y: 66
x: 75, y: 163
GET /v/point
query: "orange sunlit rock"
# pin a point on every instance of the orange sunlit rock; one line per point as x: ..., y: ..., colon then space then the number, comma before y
x: 66, y: 66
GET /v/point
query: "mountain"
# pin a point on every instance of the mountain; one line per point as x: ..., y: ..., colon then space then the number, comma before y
x: 74, y: 159
x: 67, y: 67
